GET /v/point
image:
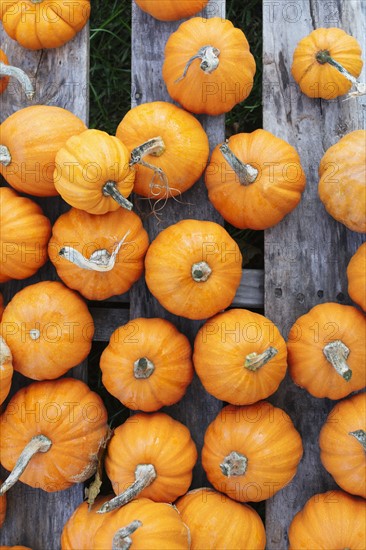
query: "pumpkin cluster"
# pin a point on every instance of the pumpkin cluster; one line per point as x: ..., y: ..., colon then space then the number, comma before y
x: 193, y: 268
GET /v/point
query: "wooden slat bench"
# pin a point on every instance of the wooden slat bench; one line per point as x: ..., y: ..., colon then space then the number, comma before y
x: 305, y: 255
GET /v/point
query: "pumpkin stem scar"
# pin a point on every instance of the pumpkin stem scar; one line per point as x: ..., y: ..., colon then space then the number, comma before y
x: 200, y: 272
x: 246, y: 173
x: 209, y: 56
x: 21, y: 76
x: 38, y: 444
x: 234, y: 464
x: 336, y: 353
x: 145, y: 474
x: 122, y: 539
x: 143, y: 368
x: 110, y: 188
x: 255, y: 361
x: 5, y: 156
x: 360, y: 435
x: 323, y: 56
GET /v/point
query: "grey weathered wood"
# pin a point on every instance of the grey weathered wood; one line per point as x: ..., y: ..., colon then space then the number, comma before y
x: 306, y: 254
x: 60, y: 77
x: 149, y: 36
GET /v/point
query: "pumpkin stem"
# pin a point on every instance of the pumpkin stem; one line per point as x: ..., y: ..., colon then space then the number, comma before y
x: 100, y: 260
x: 155, y: 147
x: 143, y: 368
x: 145, y: 474
x: 336, y: 353
x: 21, y: 76
x: 360, y: 435
x: 5, y: 156
x: 209, y: 56
x: 38, y: 444
x: 200, y: 272
x: 323, y: 56
x: 246, y: 173
x: 5, y: 353
x: 110, y: 188
x: 34, y: 333
x: 122, y: 539
x: 255, y: 361
x: 235, y: 464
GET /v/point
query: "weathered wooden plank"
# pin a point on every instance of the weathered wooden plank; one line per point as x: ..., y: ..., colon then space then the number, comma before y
x: 60, y: 77
x: 149, y: 36
x: 305, y: 255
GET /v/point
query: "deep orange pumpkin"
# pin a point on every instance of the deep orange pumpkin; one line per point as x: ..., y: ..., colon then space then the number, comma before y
x: 79, y: 530
x: 147, y: 364
x: 171, y: 10
x: 240, y: 356
x: 98, y: 255
x: 208, y: 67
x: 6, y: 370
x: 255, y: 179
x: 356, y: 275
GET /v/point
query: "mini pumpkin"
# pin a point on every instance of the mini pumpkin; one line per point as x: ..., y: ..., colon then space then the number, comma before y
x: 93, y: 172
x: 39, y: 24
x: 143, y: 524
x: 1, y: 305
x: 7, y: 71
x: 98, y: 255
x: 147, y: 364
x: 326, y: 62
x: 152, y: 456
x: 342, y: 443
x: 251, y: 452
x: 57, y: 445
x: 168, y: 146
x: 193, y: 268
x: 15, y: 548
x: 6, y: 370
x: 30, y: 139
x: 342, y: 173
x: 216, y: 521
x: 254, y: 179
x: 208, y: 67
x: 356, y: 275
x: 24, y: 234
x: 48, y: 328
x: 79, y: 530
x: 171, y: 10
x: 329, y: 520
x: 327, y: 350
x: 240, y: 356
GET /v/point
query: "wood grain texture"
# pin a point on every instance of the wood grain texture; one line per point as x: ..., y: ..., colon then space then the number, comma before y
x: 306, y: 255
x: 60, y: 77
x: 149, y: 36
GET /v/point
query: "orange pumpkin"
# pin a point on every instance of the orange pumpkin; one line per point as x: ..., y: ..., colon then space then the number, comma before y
x: 329, y: 520
x: 3, y: 505
x: 143, y: 524
x: 326, y: 62
x: 1, y: 305
x: 79, y: 530
x: 171, y: 10
x: 208, y: 67
x: 48, y: 328
x: 39, y: 24
x: 342, y: 443
x: 193, y: 268
x: 147, y: 364
x: 240, y: 356
x: 216, y: 522
x: 356, y: 275
x: 251, y: 452
x: 56, y: 445
x: 152, y: 456
x: 30, y: 139
x: 342, y: 173
x: 255, y: 179
x: 98, y: 255
x: 15, y: 548
x: 24, y: 234
x: 6, y: 370
x: 326, y: 350
x: 93, y: 172
x: 7, y: 71
x: 168, y: 146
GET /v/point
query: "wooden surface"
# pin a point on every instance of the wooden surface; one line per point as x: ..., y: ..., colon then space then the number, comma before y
x: 60, y: 77
x: 149, y: 36
x: 306, y: 255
